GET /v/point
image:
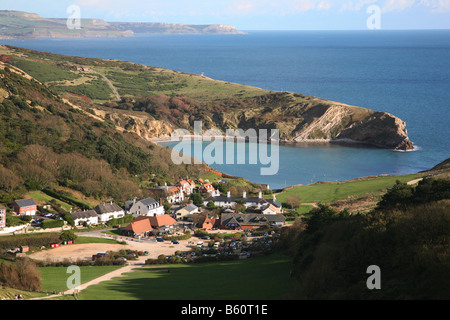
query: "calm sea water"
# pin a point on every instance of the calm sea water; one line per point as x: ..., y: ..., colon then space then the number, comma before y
x: 406, y: 73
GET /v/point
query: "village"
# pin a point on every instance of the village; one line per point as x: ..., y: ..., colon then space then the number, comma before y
x: 187, y: 215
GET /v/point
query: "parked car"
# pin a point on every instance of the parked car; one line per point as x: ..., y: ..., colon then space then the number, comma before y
x: 175, y: 242
x: 160, y: 239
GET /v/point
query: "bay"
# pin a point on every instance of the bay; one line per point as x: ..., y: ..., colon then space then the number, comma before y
x: 405, y: 73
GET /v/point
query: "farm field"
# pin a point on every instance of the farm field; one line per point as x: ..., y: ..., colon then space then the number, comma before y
x: 262, y: 278
x: 54, y: 278
x: 329, y: 192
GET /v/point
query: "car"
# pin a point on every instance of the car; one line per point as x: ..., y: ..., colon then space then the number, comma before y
x: 160, y: 239
x: 175, y: 242
x: 206, y: 238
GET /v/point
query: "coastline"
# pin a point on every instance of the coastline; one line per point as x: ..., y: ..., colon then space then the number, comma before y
x: 289, y: 143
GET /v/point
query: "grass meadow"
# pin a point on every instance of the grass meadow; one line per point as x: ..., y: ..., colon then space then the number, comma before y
x: 261, y: 278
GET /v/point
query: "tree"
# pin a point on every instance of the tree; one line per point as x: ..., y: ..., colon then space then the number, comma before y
x: 68, y: 235
x: 293, y: 201
x: 211, y: 205
x: 196, y: 199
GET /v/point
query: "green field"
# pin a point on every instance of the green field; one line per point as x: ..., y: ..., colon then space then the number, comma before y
x: 265, y: 278
x: 41, y: 197
x: 332, y: 191
x: 54, y: 279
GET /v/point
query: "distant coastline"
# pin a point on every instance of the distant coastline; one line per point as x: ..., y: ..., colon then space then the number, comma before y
x: 27, y: 26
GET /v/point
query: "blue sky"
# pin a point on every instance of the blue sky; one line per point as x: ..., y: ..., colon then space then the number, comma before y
x: 254, y: 14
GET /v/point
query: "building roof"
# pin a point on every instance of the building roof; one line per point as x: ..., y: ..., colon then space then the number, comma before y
x: 84, y: 214
x: 249, y: 219
x: 25, y: 202
x: 139, y: 225
x: 245, y: 200
x: 162, y: 220
x: 190, y: 207
x: 107, y: 208
x: 148, y: 201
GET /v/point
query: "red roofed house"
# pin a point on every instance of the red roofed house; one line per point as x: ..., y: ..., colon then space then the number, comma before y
x: 139, y: 227
x: 209, y: 223
x: 208, y: 188
x: 162, y: 222
x: 187, y: 186
x: 25, y: 207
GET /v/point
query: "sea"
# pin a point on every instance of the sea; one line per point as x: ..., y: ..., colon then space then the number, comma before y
x: 405, y: 73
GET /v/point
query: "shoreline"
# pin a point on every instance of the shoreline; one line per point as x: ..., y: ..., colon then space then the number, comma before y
x: 299, y: 143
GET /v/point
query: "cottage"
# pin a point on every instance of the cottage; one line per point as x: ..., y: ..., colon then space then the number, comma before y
x: 257, y: 203
x: 89, y: 217
x: 271, y: 209
x: 250, y: 221
x: 163, y: 222
x: 147, y: 207
x: 2, y: 217
x: 187, y: 186
x: 139, y: 227
x: 171, y: 194
x: 108, y: 211
x: 209, y: 223
x: 25, y: 207
x: 189, y: 209
x: 207, y: 188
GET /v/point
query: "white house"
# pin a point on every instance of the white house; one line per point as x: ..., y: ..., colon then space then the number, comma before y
x: 108, y: 211
x: 171, y: 194
x: 88, y: 216
x: 147, y: 207
x: 249, y: 202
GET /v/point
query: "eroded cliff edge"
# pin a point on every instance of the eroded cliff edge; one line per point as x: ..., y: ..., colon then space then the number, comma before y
x: 298, y: 118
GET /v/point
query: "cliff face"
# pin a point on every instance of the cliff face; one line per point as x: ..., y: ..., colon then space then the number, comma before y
x: 311, y: 120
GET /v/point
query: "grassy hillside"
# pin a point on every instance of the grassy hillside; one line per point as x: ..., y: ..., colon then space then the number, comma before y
x: 176, y: 100
x: 406, y: 236
x: 48, y: 143
x: 263, y: 278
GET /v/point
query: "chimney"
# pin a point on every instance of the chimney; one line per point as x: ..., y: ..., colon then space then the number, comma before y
x: 228, y: 194
x: 160, y: 202
x: 244, y: 194
x: 260, y: 194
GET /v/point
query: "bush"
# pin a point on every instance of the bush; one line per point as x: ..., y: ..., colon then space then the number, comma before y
x: 48, y: 224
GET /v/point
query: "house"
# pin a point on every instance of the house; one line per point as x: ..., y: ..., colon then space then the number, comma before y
x: 108, y: 211
x: 187, y: 186
x: 25, y: 207
x: 88, y: 216
x: 207, y: 188
x: 2, y: 217
x: 171, y: 194
x: 257, y: 203
x: 163, y: 222
x: 139, y: 227
x: 209, y: 223
x: 147, y: 207
x: 271, y: 209
x: 189, y: 209
x: 250, y: 221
